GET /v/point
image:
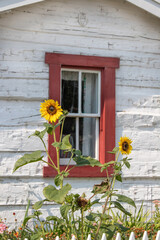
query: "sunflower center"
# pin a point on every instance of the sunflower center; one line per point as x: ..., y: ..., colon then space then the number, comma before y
x: 51, y: 110
x: 125, y: 146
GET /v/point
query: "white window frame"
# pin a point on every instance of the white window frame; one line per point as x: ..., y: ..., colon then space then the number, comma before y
x: 63, y: 161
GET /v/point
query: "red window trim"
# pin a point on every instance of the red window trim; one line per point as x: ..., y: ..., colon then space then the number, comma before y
x: 107, y: 66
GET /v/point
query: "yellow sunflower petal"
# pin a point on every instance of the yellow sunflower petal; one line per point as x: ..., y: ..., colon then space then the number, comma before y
x: 51, y: 110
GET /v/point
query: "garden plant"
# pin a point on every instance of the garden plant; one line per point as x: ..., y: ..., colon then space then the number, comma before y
x: 77, y: 215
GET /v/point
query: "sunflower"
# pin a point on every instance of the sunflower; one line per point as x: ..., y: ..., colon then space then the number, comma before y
x: 125, y: 145
x: 51, y: 110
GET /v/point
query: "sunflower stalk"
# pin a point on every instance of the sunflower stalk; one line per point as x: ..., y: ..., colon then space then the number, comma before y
x: 109, y: 196
x: 68, y: 163
x: 53, y: 165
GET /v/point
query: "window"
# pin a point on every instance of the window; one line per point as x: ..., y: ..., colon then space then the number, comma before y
x: 80, y: 95
x: 84, y: 85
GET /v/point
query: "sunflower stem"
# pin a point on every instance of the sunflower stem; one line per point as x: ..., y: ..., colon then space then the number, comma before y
x: 49, y: 164
x: 54, y: 166
x: 57, y: 151
x: 62, y: 129
x: 68, y: 163
x: 111, y: 187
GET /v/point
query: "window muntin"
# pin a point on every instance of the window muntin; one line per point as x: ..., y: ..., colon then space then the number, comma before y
x: 80, y: 95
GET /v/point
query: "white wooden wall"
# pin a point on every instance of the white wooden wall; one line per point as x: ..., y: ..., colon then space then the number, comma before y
x: 111, y: 28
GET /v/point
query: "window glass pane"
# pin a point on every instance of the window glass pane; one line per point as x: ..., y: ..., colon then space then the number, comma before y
x: 69, y: 94
x: 89, y: 93
x: 87, y: 136
x: 69, y: 128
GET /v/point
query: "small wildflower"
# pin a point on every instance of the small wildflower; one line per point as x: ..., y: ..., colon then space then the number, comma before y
x: 3, y: 227
x: 156, y: 203
x: 16, y: 234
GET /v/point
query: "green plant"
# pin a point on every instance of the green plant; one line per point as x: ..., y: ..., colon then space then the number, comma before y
x: 71, y: 204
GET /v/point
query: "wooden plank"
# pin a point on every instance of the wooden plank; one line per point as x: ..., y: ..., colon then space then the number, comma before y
x: 29, y: 52
x: 130, y: 98
x: 136, y: 45
x: 138, y: 120
x: 30, y: 89
x: 16, y: 139
x: 20, y: 113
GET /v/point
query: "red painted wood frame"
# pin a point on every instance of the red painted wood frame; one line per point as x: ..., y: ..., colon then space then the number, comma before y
x: 107, y: 67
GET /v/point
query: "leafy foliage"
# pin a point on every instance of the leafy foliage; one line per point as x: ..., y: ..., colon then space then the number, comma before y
x: 28, y: 158
x: 76, y: 215
x: 53, y: 194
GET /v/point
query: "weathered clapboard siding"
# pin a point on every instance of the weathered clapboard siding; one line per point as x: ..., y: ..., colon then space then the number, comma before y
x: 104, y: 28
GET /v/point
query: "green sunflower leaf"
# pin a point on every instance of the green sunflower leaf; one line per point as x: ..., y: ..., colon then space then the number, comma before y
x: 114, y: 151
x: 120, y: 207
x: 53, y: 218
x: 28, y: 158
x: 119, y: 178
x: 39, y: 134
x: 64, y: 209
x: 76, y: 152
x: 58, y: 180
x: 57, y: 144
x: 84, y: 161
x: 49, y: 128
x: 127, y: 164
x: 38, y: 204
x: 123, y: 198
x: 27, y: 219
x: 53, y: 194
x: 66, y: 143
x: 106, y: 165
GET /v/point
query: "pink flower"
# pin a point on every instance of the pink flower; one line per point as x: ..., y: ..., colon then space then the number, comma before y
x: 2, y: 227
x: 156, y: 203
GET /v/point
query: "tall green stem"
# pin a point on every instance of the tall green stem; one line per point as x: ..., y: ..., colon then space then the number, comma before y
x: 82, y: 216
x: 68, y: 163
x: 57, y: 151
x: 54, y: 166
x: 62, y: 129
x: 111, y: 187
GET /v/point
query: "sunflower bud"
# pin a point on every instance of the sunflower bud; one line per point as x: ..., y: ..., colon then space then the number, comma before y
x: 82, y: 202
